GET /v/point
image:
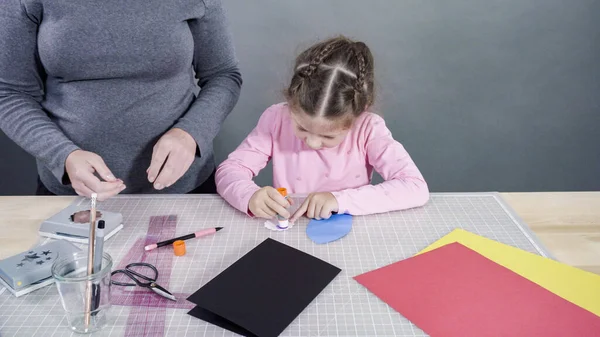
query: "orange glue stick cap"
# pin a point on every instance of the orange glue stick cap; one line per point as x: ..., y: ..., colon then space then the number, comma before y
x: 282, y: 191
x: 179, y: 247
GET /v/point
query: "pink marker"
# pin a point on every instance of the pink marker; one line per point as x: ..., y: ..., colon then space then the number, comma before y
x: 185, y: 237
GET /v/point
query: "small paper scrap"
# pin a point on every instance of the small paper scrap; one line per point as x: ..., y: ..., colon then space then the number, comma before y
x: 273, y: 226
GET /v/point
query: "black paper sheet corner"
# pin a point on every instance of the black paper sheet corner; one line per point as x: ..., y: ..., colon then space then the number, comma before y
x: 264, y: 291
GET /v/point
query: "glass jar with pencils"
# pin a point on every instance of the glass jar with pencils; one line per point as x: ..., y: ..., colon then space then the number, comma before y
x: 85, y: 298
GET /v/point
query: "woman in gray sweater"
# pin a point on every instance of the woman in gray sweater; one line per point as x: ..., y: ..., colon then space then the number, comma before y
x: 102, y: 93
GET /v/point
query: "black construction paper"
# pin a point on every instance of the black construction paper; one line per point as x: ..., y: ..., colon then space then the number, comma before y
x: 264, y: 291
x: 219, y: 321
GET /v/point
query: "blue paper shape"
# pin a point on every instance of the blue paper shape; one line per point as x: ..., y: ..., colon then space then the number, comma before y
x: 328, y: 230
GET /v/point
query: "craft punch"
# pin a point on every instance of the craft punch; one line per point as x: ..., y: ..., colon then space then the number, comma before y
x: 31, y: 270
x: 72, y: 224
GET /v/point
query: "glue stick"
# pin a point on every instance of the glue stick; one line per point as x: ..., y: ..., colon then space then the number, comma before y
x: 283, y: 222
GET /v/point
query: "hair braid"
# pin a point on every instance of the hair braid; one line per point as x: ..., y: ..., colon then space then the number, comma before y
x: 317, y: 60
x: 362, y: 69
x: 332, y: 79
x: 360, y: 92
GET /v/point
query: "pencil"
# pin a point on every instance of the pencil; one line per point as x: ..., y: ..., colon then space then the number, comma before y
x: 185, y: 237
x: 90, y: 264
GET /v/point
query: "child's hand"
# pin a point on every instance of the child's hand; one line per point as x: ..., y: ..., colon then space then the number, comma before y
x: 267, y: 202
x: 317, y: 206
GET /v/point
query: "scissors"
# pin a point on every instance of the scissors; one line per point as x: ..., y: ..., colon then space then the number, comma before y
x: 135, y: 276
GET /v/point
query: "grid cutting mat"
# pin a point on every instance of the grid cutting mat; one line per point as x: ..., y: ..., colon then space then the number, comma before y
x: 344, y: 308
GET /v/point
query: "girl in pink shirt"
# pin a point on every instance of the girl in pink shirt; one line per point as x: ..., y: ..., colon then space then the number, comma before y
x: 325, y: 143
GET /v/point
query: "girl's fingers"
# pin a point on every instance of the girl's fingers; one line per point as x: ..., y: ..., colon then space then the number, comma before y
x: 261, y: 214
x: 300, y: 211
x: 318, y: 208
x: 268, y: 212
x: 311, y: 209
x: 325, y: 213
x: 277, y: 197
x: 277, y: 208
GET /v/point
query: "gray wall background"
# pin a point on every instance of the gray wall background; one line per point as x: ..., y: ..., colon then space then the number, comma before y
x: 497, y: 95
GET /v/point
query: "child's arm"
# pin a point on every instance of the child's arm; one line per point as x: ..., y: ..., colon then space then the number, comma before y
x: 234, y: 176
x: 404, y: 186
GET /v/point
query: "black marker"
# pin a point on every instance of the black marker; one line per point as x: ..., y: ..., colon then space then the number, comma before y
x: 98, y: 252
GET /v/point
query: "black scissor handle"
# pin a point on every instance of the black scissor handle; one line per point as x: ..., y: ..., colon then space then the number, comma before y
x: 125, y: 284
x: 132, y: 275
x: 143, y: 277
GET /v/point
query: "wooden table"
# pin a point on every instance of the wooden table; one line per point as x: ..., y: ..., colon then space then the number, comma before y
x: 568, y: 223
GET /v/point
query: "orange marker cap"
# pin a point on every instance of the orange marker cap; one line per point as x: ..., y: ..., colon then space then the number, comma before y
x: 179, y: 247
x: 282, y: 191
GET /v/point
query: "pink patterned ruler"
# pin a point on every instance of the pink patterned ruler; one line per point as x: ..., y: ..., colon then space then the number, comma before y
x: 148, y: 313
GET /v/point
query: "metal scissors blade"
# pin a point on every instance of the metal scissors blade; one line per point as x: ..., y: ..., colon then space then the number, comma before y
x: 162, y: 291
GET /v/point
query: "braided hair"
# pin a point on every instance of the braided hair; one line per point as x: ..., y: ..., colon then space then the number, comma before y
x: 332, y: 79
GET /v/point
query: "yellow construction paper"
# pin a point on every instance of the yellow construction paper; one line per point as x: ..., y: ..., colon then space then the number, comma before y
x: 575, y: 285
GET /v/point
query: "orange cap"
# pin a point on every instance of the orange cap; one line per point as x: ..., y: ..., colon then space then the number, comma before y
x: 179, y: 247
x: 282, y: 191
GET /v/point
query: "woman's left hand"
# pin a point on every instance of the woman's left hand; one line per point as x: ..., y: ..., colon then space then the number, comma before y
x: 317, y: 206
x: 176, y: 149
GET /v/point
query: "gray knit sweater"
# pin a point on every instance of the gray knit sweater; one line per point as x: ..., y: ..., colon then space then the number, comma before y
x: 111, y: 77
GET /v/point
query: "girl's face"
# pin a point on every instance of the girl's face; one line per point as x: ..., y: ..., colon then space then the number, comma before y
x: 319, y: 132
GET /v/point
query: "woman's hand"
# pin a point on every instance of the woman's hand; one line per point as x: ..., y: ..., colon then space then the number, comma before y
x: 317, y: 206
x: 175, y: 150
x: 267, y: 202
x: 82, y: 167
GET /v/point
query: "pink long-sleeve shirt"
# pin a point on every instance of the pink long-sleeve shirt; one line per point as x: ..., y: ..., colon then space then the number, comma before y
x: 345, y: 170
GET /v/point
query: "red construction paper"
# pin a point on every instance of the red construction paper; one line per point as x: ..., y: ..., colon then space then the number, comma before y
x: 455, y: 291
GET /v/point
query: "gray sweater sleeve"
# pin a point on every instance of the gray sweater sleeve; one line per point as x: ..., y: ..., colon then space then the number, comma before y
x: 218, y: 76
x: 22, y: 118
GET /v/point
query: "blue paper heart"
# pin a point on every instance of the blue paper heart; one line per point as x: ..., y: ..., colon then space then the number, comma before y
x: 334, y: 228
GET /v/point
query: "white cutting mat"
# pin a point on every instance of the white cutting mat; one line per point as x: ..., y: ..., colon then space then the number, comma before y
x: 344, y: 308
